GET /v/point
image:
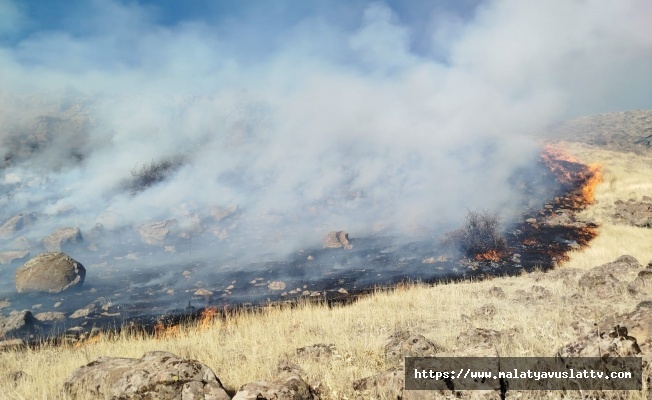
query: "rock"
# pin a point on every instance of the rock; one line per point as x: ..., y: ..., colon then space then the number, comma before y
x: 497, y: 292
x: 8, y: 257
x: 16, y: 223
x: 276, y: 285
x: 203, y: 292
x: 617, y: 336
x: 156, y: 233
x: 388, y: 383
x: 63, y: 239
x: 49, y: 272
x: 404, y: 344
x: 156, y: 375
x: 291, y: 387
x: 318, y: 350
x: 83, y: 312
x: 11, y: 344
x: 609, y: 279
x: 18, y: 324
x: 50, y: 316
x: 334, y: 240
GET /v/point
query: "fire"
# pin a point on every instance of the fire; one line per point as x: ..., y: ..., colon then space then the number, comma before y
x: 166, y: 332
x: 491, y: 255
x: 569, y: 171
x: 90, y: 340
x: 595, y: 178
x: 206, y: 317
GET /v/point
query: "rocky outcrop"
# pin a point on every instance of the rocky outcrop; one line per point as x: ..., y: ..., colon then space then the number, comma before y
x: 16, y: 223
x: 620, y: 335
x: 8, y: 257
x: 634, y: 213
x: 18, y: 324
x: 63, y: 239
x: 611, y: 279
x: 336, y: 239
x: 49, y: 272
x: 156, y: 375
x: 286, y: 387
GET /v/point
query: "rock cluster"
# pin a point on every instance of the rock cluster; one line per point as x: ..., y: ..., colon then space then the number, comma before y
x: 156, y: 375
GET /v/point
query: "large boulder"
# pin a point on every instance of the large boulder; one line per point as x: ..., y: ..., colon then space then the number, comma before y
x: 62, y: 239
x: 156, y: 375
x: 286, y: 387
x: 49, y: 272
x: 610, y: 279
x: 337, y: 239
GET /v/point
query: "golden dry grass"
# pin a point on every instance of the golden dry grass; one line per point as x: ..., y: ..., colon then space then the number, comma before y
x: 248, y: 346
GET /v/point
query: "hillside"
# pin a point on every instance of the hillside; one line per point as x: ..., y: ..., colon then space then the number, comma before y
x: 533, y: 315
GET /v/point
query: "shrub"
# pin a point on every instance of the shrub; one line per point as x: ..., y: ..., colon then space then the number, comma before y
x: 151, y: 173
x: 480, y: 235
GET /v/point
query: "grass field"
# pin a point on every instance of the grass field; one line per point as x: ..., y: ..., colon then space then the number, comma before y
x: 247, y: 347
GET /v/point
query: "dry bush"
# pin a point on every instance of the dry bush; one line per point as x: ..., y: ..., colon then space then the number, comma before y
x: 480, y: 234
x: 151, y: 173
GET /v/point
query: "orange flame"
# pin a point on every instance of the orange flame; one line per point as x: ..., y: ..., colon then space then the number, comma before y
x: 86, y: 342
x: 569, y: 170
x: 491, y: 255
x: 166, y: 332
x: 206, y: 317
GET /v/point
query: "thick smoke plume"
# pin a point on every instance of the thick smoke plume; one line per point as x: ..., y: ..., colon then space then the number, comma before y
x: 363, y: 118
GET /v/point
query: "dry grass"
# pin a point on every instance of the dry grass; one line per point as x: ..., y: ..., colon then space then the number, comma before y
x: 247, y: 347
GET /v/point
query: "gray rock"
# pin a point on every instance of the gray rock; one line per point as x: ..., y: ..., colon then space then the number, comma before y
x: 156, y: 375
x: 16, y: 223
x: 290, y: 387
x: 8, y: 257
x: 318, y: 350
x: 404, y: 344
x: 49, y: 272
x: 62, y: 239
x: 18, y: 324
x: 156, y: 233
x: 336, y: 239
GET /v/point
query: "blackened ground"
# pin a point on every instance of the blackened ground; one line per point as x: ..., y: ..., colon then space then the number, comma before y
x: 139, y: 298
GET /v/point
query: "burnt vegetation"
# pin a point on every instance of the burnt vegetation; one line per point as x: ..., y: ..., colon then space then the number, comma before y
x: 479, y: 235
x: 149, y: 174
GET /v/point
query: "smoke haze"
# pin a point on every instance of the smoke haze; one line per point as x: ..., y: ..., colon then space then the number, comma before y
x: 308, y: 118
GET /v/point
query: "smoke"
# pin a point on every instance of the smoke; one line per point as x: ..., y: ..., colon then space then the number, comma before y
x: 325, y: 118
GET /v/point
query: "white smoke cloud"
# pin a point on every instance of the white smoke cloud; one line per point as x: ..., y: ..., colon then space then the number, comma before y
x: 331, y: 127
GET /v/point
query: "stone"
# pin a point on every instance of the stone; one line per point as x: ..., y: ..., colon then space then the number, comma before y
x: 49, y: 272
x: 50, y: 316
x: 318, y: 350
x: 610, y: 279
x: 63, y: 239
x: 16, y: 223
x: 156, y: 375
x: 18, y: 324
x: 288, y: 387
x: 8, y: 257
x: 405, y: 344
x: 619, y: 335
x: 156, y: 233
x: 336, y: 239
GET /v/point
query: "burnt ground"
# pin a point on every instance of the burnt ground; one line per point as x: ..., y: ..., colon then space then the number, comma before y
x: 142, y: 297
